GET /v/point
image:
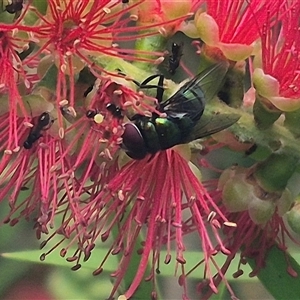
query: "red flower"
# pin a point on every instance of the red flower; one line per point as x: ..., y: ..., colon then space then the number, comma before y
x: 68, y: 34
x: 234, y: 25
x: 12, y: 79
x: 277, y: 78
x: 64, y: 105
x: 165, y: 11
x: 161, y: 195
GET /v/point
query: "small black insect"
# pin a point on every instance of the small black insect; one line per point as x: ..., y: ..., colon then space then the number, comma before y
x: 125, y: 1
x: 88, y: 90
x: 91, y: 113
x: 115, y: 110
x: 15, y: 7
x: 184, y: 121
x: 44, y: 120
x: 174, y: 58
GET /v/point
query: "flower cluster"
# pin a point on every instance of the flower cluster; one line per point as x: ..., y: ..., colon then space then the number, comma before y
x: 276, y: 76
x: 91, y: 131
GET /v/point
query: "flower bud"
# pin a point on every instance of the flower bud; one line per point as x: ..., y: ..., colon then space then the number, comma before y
x: 265, y: 113
x: 272, y: 175
x: 196, y: 171
x: 237, y: 193
x: 229, y: 174
x: 285, y: 202
x: 260, y: 211
x: 241, y: 191
x: 291, y: 122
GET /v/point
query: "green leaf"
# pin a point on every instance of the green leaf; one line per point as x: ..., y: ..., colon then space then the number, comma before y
x: 86, y: 286
x: 274, y: 276
x: 49, y: 80
x: 31, y: 17
x: 99, y: 252
x: 222, y: 293
x: 11, y: 273
x: 40, y: 5
x: 149, y: 44
x: 56, y: 260
x: 78, y: 285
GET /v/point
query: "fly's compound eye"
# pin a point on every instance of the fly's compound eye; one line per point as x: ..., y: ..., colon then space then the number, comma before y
x: 133, y: 142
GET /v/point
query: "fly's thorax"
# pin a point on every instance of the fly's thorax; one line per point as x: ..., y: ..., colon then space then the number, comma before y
x: 148, y: 130
x: 168, y: 133
x: 164, y: 133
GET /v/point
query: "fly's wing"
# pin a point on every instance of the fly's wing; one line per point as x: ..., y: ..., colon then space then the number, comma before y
x: 211, y: 79
x: 189, y: 102
x: 208, y: 125
x: 191, y: 98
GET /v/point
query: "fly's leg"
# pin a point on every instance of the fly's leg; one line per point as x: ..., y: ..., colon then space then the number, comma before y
x: 159, y: 87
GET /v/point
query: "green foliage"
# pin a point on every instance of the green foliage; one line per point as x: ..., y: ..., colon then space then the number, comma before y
x: 275, y: 277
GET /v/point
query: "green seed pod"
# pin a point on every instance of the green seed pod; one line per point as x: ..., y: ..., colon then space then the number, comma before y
x: 260, y: 211
x: 291, y: 122
x: 265, y: 113
x: 274, y: 173
x: 237, y: 194
x: 228, y: 174
x: 285, y: 202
